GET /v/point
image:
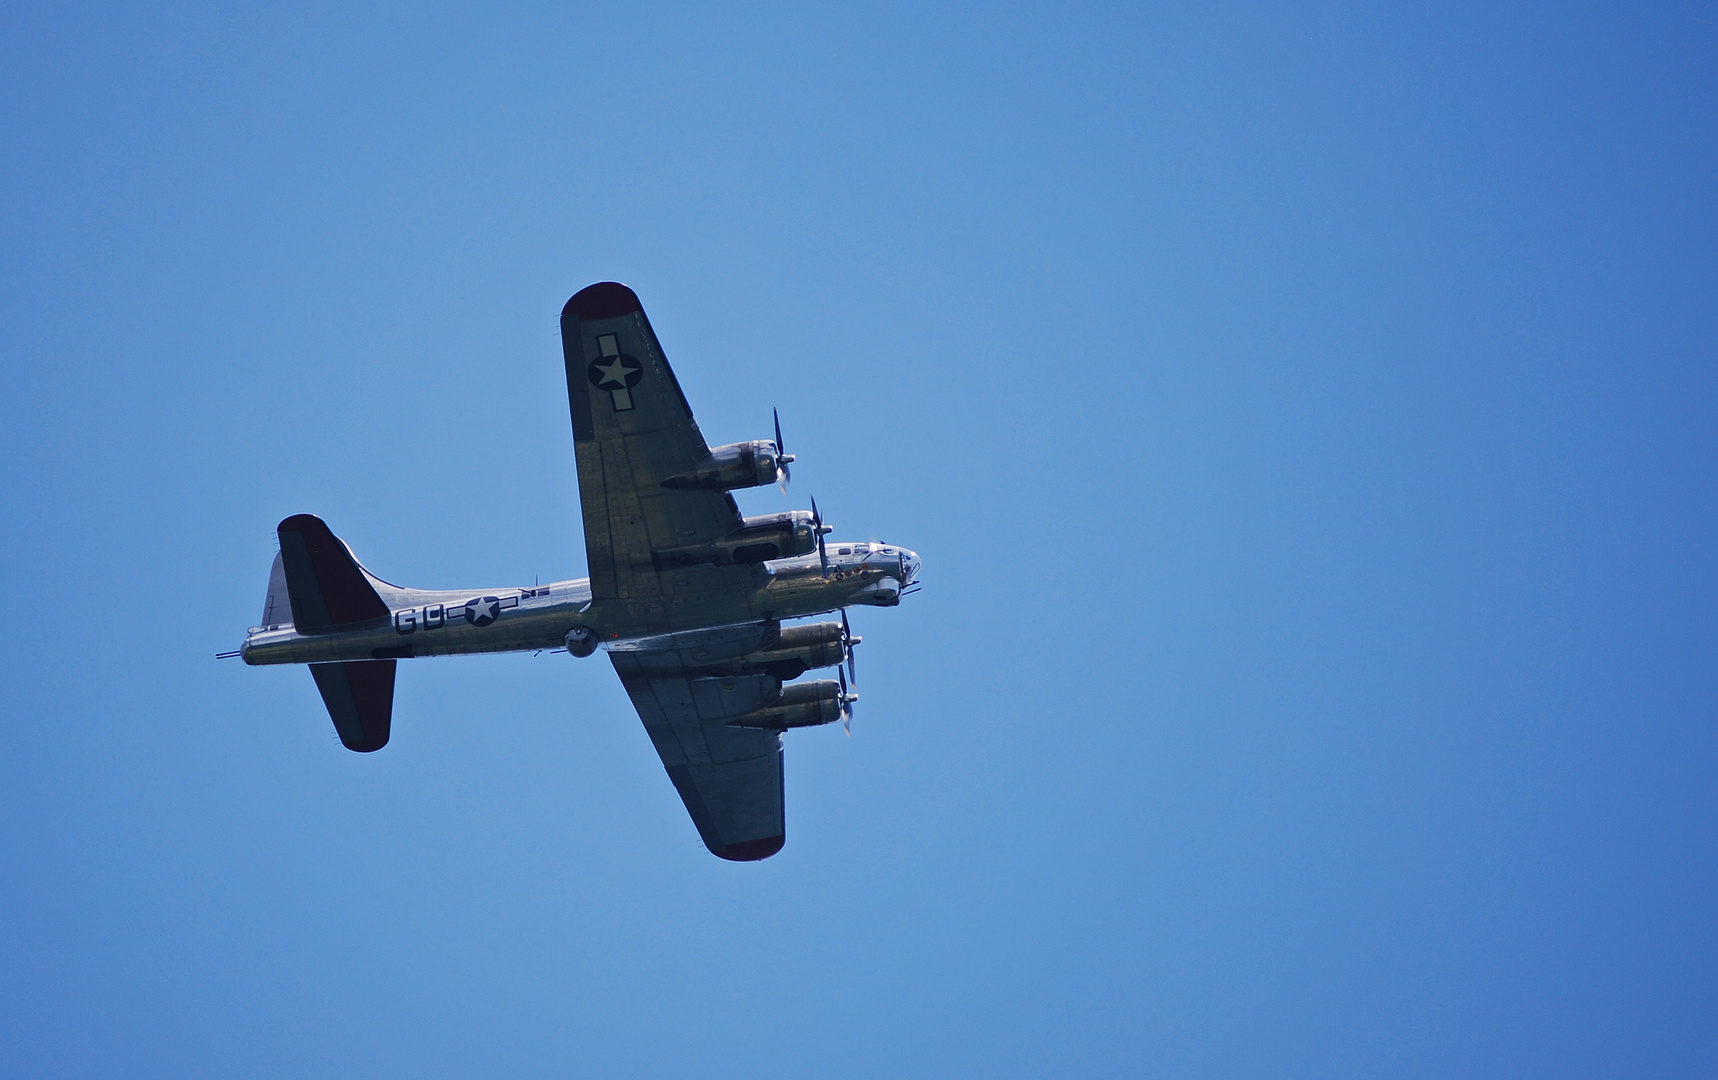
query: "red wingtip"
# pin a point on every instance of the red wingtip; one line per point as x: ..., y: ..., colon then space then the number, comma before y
x: 604, y: 300
x: 751, y: 850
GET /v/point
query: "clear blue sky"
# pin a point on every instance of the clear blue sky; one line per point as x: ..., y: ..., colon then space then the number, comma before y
x: 1306, y: 417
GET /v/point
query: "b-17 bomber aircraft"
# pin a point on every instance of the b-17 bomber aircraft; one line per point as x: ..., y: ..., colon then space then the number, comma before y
x: 685, y: 596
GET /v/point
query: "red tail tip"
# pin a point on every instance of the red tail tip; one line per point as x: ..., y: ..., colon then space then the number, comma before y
x: 604, y: 300
x: 751, y: 850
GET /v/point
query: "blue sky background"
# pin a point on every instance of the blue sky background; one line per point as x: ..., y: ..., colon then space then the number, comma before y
x: 1306, y: 417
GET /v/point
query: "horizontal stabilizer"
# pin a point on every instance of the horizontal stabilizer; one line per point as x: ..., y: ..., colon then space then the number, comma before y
x: 360, y: 699
x: 327, y: 586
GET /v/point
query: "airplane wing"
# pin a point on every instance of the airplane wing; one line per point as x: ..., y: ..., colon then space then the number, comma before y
x: 729, y: 778
x: 632, y: 430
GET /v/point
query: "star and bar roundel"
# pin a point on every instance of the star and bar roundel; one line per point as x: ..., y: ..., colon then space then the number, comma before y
x: 478, y: 611
x: 615, y: 372
x: 482, y: 610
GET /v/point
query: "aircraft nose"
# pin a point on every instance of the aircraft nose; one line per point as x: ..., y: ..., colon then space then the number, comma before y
x: 909, y: 567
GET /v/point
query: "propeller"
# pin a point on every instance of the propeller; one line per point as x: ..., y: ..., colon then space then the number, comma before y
x: 821, y: 529
x: 781, y: 458
x: 848, y: 640
x: 847, y: 701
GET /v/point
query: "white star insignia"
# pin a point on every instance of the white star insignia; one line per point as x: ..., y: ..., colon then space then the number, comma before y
x: 615, y: 372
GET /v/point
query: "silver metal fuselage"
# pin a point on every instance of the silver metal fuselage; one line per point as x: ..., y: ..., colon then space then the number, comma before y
x: 449, y: 622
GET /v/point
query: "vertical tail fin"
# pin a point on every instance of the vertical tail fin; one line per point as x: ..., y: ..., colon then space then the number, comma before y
x: 277, y: 605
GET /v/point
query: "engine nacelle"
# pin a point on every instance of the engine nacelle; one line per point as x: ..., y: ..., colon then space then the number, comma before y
x: 800, y: 705
x: 798, y: 650
x: 739, y: 465
x: 772, y: 536
x: 760, y: 539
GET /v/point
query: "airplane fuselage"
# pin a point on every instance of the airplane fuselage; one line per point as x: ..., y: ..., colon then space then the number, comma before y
x: 453, y: 622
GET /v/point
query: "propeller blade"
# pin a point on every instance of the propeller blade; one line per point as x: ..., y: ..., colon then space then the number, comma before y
x: 847, y: 701
x: 817, y: 524
x: 847, y: 643
x: 782, y: 457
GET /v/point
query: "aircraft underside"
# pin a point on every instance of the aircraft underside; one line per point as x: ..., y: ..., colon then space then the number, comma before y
x: 687, y: 598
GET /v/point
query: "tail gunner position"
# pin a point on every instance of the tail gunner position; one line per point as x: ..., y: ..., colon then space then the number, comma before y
x: 685, y: 596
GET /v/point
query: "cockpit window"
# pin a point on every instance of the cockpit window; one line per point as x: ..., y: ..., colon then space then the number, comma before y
x: 845, y: 551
